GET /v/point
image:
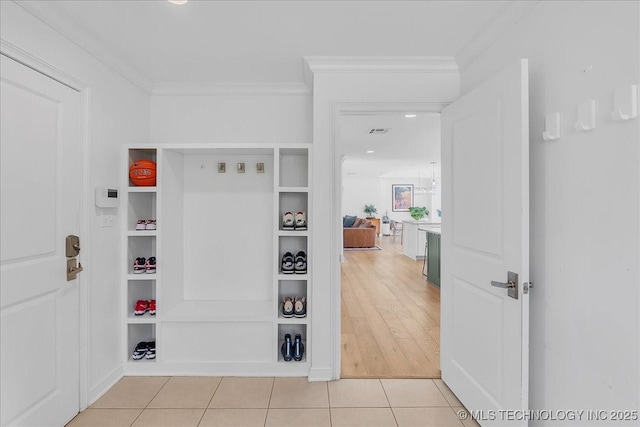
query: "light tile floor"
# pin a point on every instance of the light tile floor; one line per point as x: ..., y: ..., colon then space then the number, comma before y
x: 248, y: 402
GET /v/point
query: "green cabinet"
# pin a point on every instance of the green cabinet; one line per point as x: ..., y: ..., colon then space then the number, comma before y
x: 433, y: 258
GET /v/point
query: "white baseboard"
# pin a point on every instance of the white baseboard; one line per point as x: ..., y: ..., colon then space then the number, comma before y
x: 96, y: 392
x: 321, y: 374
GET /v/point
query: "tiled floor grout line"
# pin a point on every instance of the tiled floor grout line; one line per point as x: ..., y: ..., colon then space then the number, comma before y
x: 326, y: 383
x: 388, y: 401
x: 266, y: 417
x: 210, y: 400
x: 149, y: 403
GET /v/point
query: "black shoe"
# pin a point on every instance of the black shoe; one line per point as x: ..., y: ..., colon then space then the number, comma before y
x: 298, y: 348
x: 139, y: 265
x: 287, y: 348
x: 140, y: 350
x: 301, y: 263
x: 151, y: 350
x: 288, y: 266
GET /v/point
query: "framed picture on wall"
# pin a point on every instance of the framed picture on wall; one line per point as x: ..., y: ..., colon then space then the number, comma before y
x: 402, y: 197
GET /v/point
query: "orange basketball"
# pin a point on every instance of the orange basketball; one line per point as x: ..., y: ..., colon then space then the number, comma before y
x: 143, y: 173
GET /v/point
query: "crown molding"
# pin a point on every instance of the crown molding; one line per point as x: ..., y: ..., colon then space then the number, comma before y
x: 25, y: 58
x: 382, y: 64
x: 377, y: 64
x: 46, y: 12
x: 234, y: 89
x: 496, y: 27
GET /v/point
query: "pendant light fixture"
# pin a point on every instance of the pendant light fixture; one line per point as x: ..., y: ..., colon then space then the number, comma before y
x: 419, y: 189
x: 433, y: 175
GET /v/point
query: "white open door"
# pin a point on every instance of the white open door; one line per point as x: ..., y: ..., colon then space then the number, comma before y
x: 485, y: 235
x: 41, y: 168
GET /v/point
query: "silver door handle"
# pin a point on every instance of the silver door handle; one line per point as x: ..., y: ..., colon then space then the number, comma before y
x: 509, y: 284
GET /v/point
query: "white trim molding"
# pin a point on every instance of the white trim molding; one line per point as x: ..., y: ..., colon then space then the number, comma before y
x: 510, y: 13
x: 233, y: 89
x: 382, y: 64
x: 25, y: 58
x: 377, y: 64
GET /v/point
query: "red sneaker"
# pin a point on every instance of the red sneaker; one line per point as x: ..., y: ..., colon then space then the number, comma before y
x: 142, y: 306
x: 152, y: 307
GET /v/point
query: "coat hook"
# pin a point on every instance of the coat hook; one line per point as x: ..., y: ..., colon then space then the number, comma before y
x: 552, y: 127
x: 625, y: 103
x: 586, y: 115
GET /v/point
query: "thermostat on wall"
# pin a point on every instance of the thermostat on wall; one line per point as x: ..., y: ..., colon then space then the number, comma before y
x: 106, y: 197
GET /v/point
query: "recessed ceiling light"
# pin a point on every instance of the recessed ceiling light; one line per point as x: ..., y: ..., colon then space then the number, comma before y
x: 410, y: 116
x: 370, y: 151
x: 177, y: 1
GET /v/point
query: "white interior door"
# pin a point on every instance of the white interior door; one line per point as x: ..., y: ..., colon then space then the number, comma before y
x: 41, y: 176
x: 485, y: 234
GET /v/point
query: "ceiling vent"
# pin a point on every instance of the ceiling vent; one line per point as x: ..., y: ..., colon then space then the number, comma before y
x: 378, y: 131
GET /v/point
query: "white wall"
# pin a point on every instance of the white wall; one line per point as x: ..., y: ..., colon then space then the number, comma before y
x: 584, y: 232
x: 118, y: 114
x: 229, y: 118
x: 358, y: 191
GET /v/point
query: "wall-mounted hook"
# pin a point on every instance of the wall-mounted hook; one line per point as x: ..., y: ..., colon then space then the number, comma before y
x: 586, y: 115
x: 551, y: 127
x: 625, y: 103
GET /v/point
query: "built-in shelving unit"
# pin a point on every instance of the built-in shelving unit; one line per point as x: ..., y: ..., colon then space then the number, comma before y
x: 141, y: 203
x: 219, y: 244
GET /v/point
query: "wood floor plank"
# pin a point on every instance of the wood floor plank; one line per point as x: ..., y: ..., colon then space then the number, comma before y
x: 390, y: 316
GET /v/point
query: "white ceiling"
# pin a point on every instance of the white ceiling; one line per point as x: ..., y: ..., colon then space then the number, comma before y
x: 406, y: 150
x: 261, y: 41
x: 206, y: 42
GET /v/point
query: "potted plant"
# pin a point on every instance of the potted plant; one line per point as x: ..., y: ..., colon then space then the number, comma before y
x: 370, y: 210
x: 418, y: 212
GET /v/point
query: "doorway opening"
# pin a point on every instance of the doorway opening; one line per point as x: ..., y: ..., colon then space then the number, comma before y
x: 390, y: 314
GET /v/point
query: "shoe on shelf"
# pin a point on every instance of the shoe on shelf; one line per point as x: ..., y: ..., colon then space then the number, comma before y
x: 151, y: 350
x: 150, y: 266
x: 139, y: 265
x: 150, y: 224
x: 287, y: 307
x: 152, y: 307
x: 287, y: 348
x: 300, y: 307
x: 287, y: 221
x: 301, y: 263
x: 141, y: 225
x: 288, y: 263
x: 140, y: 351
x: 298, y: 348
x: 301, y: 221
x: 142, y: 306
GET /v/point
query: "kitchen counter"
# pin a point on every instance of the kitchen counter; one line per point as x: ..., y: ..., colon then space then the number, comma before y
x: 414, y: 237
x: 435, y: 230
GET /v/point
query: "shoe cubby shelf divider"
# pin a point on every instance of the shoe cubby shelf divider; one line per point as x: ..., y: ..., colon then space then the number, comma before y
x: 218, y: 247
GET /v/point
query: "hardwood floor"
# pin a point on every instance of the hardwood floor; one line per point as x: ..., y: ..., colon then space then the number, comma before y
x: 390, y: 316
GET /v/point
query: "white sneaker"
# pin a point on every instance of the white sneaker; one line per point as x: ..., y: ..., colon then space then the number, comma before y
x: 287, y: 221
x: 301, y: 221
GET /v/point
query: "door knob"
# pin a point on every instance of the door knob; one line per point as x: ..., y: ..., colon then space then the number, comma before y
x: 511, y: 284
